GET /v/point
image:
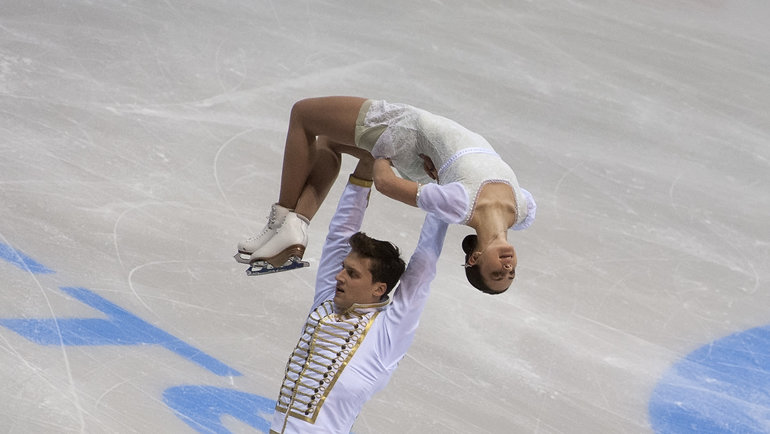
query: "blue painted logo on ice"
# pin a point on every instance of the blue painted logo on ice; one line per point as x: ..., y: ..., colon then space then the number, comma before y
x: 721, y: 387
x: 199, y: 406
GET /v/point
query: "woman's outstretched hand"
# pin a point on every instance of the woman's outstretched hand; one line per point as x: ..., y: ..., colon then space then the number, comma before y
x: 365, y: 167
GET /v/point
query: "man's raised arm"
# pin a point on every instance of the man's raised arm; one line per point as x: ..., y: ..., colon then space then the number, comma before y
x: 345, y: 222
x: 412, y: 292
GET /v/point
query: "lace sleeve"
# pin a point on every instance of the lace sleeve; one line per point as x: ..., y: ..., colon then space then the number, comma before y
x: 447, y: 202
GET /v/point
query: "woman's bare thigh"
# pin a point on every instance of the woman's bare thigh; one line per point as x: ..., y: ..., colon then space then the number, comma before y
x: 331, y: 116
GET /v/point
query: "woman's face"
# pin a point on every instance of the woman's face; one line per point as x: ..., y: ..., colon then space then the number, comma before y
x: 497, y: 264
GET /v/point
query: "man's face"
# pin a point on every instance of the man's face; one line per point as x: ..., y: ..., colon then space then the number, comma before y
x: 354, y: 283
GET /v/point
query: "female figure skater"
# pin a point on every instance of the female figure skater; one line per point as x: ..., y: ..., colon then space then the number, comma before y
x: 445, y: 169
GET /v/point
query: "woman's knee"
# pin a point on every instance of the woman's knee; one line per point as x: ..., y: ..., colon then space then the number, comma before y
x: 300, y: 109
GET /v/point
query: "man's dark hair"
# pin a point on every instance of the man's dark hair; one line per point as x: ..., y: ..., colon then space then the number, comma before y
x: 386, y: 263
x: 473, y: 273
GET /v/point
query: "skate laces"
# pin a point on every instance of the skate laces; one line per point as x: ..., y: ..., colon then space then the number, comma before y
x: 268, y: 227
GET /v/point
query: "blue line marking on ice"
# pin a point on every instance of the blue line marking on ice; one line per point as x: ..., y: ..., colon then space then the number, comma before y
x: 719, y: 388
x: 120, y: 328
x: 20, y: 260
x: 202, y: 407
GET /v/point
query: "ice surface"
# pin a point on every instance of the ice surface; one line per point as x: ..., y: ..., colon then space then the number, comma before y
x: 141, y: 140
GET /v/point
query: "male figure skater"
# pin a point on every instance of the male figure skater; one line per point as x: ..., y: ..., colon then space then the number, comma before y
x: 355, y: 336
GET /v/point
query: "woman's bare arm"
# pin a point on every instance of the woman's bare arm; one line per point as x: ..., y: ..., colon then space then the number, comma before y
x: 387, y: 183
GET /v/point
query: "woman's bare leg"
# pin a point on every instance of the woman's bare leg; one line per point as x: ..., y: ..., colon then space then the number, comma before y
x: 325, y: 169
x: 333, y: 117
x: 327, y: 159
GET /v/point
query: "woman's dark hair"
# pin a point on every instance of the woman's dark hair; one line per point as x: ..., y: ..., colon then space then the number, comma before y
x: 473, y: 273
x: 386, y: 263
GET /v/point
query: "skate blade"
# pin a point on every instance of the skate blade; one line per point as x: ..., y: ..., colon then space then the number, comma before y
x: 263, y: 267
x: 242, y: 258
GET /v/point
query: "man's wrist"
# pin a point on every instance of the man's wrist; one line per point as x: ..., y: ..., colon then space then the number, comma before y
x: 366, y: 183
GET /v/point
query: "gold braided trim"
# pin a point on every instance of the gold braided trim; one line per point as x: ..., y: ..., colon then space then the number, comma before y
x: 291, y: 398
x: 366, y: 183
x: 345, y: 363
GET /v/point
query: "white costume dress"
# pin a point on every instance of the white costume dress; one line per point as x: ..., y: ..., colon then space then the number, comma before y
x: 465, y: 161
x: 344, y: 357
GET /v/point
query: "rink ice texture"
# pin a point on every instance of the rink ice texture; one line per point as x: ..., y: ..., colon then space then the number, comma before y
x: 142, y: 140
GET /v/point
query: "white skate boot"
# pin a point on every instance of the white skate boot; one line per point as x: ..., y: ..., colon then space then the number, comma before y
x: 284, y: 250
x: 274, y: 220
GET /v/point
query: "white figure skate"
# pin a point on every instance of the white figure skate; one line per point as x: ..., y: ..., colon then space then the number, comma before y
x: 274, y: 220
x: 284, y: 250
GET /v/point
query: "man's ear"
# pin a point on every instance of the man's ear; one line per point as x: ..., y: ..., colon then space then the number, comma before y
x: 379, y: 289
x: 473, y: 258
